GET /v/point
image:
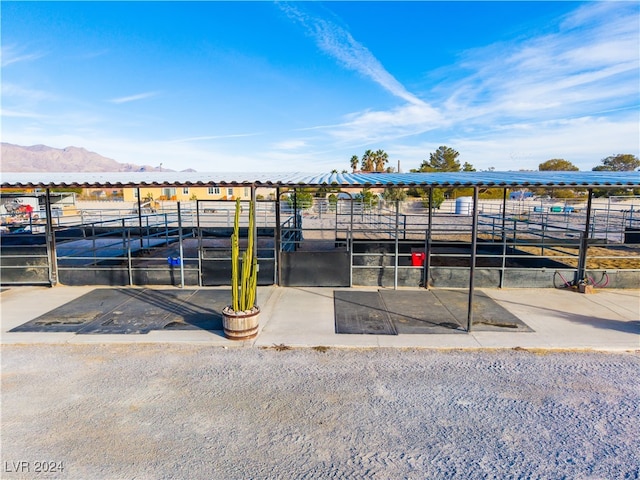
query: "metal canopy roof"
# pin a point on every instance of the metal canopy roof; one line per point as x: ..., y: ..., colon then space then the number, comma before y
x: 440, y: 179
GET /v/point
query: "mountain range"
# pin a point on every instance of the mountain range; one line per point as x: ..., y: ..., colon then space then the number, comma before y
x: 40, y: 158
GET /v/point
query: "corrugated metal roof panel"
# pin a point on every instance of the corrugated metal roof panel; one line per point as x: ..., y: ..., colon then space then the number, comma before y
x: 358, y: 179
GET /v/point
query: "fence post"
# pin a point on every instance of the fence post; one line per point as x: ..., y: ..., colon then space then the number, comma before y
x: 130, y: 267
x: 124, y: 237
x: 166, y: 228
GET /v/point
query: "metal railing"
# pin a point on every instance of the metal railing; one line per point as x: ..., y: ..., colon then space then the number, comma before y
x: 137, y: 246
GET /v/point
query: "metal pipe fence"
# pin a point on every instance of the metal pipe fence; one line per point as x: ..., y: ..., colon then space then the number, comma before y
x: 120, y: 245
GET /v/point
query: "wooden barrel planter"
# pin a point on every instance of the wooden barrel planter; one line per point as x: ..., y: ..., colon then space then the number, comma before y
x: 240, y: 325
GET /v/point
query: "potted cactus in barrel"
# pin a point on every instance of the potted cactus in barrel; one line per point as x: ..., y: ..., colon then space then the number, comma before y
x: 240, y: 319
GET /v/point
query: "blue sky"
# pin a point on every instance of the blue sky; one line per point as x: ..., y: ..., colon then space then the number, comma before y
x: 303, y: 86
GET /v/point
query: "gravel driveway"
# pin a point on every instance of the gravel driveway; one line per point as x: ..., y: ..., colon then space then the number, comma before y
x: 197, y: 412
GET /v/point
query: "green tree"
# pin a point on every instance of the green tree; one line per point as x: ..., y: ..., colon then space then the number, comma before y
x: 367, y: 198
x: 444, y: 159
x: 393, y: 194
x: 623, y: 162
x: 302, y: 198
x: 557, y: 165
x: 437, y: 196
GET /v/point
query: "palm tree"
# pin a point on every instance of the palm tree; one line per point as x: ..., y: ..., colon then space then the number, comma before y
x: 367, y: 161
x: 354, y: 162
x: 381, y: 158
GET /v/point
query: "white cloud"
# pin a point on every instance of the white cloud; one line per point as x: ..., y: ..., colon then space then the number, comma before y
x: 576, y: 71
x: 376, y: 126
x: 133, y: 98
x: 12, y: 54
x: 290, y: 145
x: 340, y: 44
x: 571, y: 94
x: 11, y: 90
x: 214, y: 137
x: 20, y: 114
x: 583, y: 141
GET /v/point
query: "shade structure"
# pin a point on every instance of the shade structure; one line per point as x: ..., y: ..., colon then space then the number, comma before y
x: 344, y: 180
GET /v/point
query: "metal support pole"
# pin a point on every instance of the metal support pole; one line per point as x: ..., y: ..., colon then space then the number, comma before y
x: 278, y: 241
x: 504, y: 237
x: 180, y: 246
x: 200, y: 246
x: 140, y: 218
x: 472, y: 269
x: 295, y: 219
x: 395, y: 265
x: 584, y: 241
x: 51, y: 241
x: 427, y: 265
x: 255, y: 223
x: 349, y: 236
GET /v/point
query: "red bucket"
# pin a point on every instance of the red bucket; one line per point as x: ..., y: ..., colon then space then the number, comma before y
x: 417, y: 259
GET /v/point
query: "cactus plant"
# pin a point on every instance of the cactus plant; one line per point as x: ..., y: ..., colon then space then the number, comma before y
x: 244, y: 277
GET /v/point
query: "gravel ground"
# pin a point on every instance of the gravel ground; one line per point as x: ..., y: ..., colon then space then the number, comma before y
x: 197, y: 412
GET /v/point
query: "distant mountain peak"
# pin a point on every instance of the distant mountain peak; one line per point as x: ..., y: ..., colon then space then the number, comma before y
x: 41, y: 158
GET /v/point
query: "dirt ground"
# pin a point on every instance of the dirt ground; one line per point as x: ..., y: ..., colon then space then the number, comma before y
x: 612, y: 257
x: 199, y: 412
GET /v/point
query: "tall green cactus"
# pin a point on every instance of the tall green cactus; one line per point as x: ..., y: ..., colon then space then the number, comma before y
x: 244, y: 281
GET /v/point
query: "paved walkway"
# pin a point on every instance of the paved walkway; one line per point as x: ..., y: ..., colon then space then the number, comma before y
x: 608, y: 320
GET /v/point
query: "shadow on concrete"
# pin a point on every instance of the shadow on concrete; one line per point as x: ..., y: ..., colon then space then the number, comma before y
x: 624, y: 326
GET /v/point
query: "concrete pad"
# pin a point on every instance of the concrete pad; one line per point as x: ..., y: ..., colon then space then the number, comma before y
x: 21, y: 304
x: 608, y: 320
x: 304, y: 316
